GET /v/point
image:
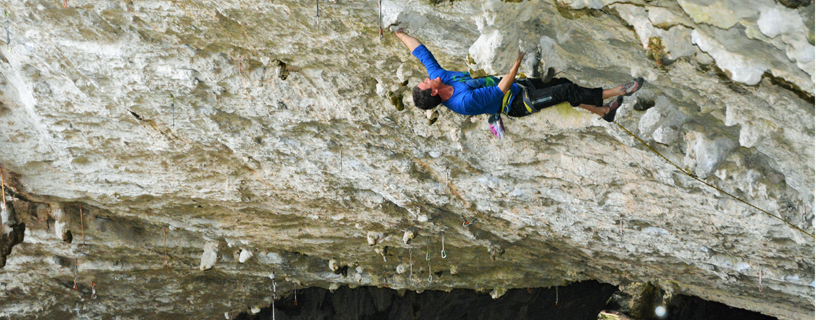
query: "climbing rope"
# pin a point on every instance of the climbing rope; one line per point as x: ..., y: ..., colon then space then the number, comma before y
x: 708, y: 184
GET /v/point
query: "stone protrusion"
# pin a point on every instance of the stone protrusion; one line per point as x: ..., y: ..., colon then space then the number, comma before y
x: 210, y: 255
x: 333, y: 265
x: 245, y: 255
x: 408, y: 236
x: 374, y: 237
x: 497, y: 293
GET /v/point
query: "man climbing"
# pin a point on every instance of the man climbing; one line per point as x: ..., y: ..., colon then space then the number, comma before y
x: 460, y: 93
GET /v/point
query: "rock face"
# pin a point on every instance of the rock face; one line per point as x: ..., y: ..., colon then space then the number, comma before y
x: 262, y: 138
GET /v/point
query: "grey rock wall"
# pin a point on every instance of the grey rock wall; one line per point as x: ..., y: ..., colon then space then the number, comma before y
x: 283, y: 149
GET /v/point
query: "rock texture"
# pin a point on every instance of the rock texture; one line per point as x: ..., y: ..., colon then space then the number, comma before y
x: 267, y: 142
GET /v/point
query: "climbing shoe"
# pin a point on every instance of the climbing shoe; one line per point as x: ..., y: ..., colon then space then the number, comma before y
x: 629, y: 88
x: 613, y: 109
x: 549, y: 76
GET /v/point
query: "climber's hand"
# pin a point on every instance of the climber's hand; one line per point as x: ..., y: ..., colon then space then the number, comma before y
x: 520, y: 55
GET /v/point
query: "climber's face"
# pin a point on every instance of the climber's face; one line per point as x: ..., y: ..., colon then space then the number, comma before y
x: 433, y: 84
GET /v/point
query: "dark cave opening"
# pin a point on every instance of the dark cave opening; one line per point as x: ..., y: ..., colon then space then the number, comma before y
x: 583, y: 300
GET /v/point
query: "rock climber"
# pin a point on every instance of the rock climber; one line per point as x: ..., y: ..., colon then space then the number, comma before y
x: 490, y: 95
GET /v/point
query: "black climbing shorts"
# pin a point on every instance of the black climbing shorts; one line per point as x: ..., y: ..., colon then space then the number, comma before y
x: 545, y: 95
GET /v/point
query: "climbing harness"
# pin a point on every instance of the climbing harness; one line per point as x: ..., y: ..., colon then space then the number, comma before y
x: 379, y: 17
x: 760, y: 280
x: 496, y: 124
x: 712, y: 186
x: 93, y: 290
x: 82, y: 223
x: 173, y: 108
x: 444, y: 255
x: 166, y: 265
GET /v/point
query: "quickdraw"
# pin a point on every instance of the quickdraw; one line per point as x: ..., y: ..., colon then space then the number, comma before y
x: 427, y: 249
x: 166, y: 265
x: 444, y: 255
x: 556, y: 296
x: 447, y: 186
x: 76, y: 273
x: 93, y: 290
x: 274, y: 294
x: 411, y: 263
x: 8, y: 36
x: 173, y: 108
x: 430, y: 274
x: 3, y: 188
x: 379, y: 17
x: 64, y: 5
x: 295, y: 295
x: 82, y: 223
x: 760, y: 280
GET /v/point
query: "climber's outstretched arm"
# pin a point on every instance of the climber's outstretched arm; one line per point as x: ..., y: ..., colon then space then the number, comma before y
x: 409, y: 41
x: 507, y: 81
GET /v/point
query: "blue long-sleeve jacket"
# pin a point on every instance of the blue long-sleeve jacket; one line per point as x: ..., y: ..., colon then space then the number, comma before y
x: 470, y: 96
